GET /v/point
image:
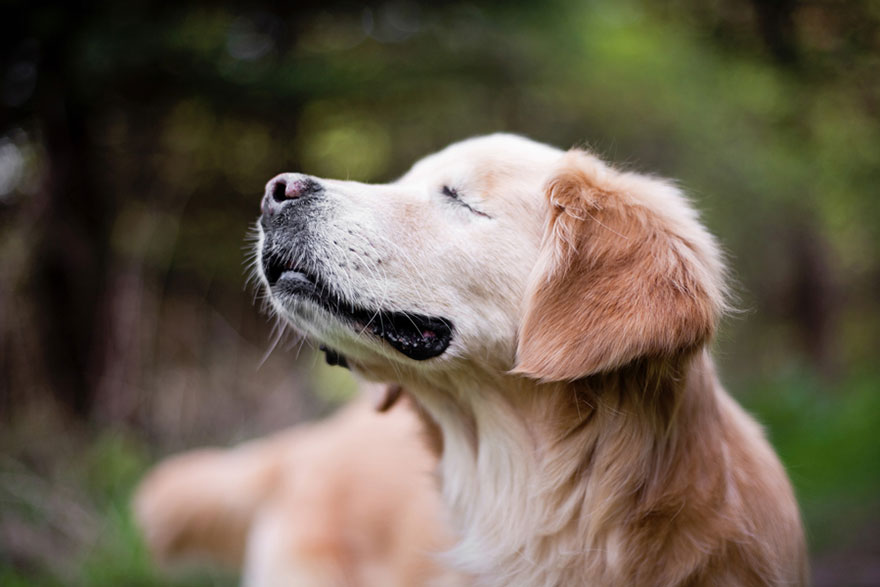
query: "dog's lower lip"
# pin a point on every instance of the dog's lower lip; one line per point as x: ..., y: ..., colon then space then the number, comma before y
x: 294, y: 274
x: 416, y: 336
x: 277, y: 269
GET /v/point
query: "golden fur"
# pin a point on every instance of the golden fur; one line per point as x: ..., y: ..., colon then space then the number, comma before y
x: 344, y: 502
x: 609, y: 454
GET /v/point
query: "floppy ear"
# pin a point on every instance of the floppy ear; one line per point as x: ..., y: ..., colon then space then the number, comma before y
x: 625, y: 271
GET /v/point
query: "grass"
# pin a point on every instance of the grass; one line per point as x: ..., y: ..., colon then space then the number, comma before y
x: 111, y: 552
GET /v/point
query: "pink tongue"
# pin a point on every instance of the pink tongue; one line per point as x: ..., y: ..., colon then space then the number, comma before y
x: 428, y: 334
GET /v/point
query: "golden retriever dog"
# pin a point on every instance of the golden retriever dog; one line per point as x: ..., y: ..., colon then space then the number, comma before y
x: 344, y: 502
x: 550, y: 316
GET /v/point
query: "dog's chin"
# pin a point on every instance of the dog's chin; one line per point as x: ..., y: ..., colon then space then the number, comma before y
x: 415, y: 336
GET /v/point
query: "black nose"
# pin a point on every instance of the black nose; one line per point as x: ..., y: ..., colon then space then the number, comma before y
x: 283, y: 189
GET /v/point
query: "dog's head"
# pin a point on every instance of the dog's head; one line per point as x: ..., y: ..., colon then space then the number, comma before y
x: 499, y: 251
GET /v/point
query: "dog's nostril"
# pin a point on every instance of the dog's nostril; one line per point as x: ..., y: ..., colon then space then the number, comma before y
x: 279, y: 191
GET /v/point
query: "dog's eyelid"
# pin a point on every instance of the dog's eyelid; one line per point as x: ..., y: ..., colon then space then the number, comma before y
x: 453, y: 194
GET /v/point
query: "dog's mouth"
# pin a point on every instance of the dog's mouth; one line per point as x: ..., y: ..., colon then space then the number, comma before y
x: 416, y: 336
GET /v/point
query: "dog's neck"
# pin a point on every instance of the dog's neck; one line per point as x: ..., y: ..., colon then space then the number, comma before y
x: 532, y: 471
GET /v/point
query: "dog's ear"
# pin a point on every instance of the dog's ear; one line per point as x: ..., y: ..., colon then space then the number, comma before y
x: 625, y: 271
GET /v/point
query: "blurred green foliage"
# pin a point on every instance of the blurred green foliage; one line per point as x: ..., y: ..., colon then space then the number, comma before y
x: 110, y: 467
x: 829, y: 449
x: 135, y: 139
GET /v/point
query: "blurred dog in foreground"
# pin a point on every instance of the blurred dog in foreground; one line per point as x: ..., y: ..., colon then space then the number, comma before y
x: 346, y: 501
x: 549, y: 316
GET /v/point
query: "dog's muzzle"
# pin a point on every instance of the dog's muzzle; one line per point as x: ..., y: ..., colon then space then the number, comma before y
x: 291, y: 205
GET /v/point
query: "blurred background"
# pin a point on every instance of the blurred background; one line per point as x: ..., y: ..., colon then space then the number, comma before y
x: 136, y: 137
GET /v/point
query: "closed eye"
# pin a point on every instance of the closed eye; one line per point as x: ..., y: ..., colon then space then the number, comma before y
x: 453, y: 194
